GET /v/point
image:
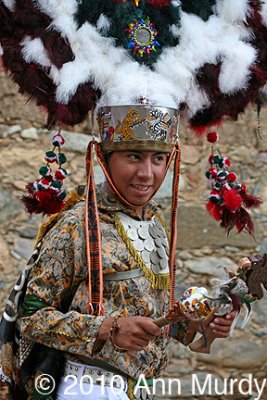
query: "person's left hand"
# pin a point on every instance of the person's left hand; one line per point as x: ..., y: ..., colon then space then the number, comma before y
x: 220, y: 326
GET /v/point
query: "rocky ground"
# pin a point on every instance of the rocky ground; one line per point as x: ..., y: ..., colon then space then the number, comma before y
x: 202, y: 247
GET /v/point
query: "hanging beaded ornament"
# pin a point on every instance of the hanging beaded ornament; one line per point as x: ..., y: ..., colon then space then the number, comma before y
x: 228, y: 197
x: 46, y: 195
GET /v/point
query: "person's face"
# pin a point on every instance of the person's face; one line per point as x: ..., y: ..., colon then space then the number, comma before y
x: 137, y: 174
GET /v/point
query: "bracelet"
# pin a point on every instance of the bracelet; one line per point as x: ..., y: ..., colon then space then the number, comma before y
x: 113, y: 331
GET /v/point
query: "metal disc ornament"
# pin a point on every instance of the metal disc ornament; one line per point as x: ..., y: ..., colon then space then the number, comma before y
x: 146, y: 256
x: 132, y: 234
x: 161, y: 252
x: 153, y: 231
x: 155, y: 268
x: 143, y: 232
x: 139, y: 245
x: 149, y: 244
x: 163, y: 263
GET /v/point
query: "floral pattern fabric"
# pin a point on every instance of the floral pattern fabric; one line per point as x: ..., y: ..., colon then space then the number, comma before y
x: 59, y: 278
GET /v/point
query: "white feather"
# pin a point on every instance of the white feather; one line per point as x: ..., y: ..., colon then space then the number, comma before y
x: 175, y: 30
x: 55, y: 8
x: 103, y: 24
x: 10, y: 4
x: 196, y: 99
x: 126, y: 89
x: 233, y: 10
x: 71, y: 75
x: 64, y: 24
x: 176, y: 3
x: 33, y: 51
x: 1, y: 50
x: 235, y: 70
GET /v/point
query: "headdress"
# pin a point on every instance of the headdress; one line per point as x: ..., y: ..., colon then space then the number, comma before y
x: 136, y: 62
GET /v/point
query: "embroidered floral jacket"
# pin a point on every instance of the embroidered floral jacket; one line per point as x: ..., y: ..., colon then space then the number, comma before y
x: 59, y: 277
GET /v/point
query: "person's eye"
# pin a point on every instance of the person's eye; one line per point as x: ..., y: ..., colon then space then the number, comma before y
x: 133, y: 156
x: 159, y: 158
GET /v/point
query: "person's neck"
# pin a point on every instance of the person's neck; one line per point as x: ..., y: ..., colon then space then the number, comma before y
x: 108, y: 189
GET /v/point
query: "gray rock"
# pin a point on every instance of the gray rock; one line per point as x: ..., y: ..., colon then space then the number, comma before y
x: 14, y: 129
x: 210, y: 265
x: 184, y: 255
x: 15, y: 255
x: 231, y: 353
x: 3, y: 285
x: 30, y: 133
x: 23, y: 247
x: 28, y: 232
x: 261, y: 332
x: 231, y: 249
x: 197, y: 229
x: 6, y: 130
x: 9, y: 207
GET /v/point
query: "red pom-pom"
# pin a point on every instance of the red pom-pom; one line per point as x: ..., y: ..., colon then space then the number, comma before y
x: 212, y: 137
x: 243, y: 188
x: 226, y: 162
x: 231, y: 177
x: 42, y: 202
x: 60, y: 174
x: 215, y: 210
x: 232, y: 199
x: 58, y: 140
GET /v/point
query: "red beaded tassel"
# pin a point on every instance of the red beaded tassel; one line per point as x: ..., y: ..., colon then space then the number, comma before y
x: 228, y: 198
x: 46, y: 195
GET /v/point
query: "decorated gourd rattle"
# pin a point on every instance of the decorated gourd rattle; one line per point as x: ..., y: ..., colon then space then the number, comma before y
x: 237, y: 289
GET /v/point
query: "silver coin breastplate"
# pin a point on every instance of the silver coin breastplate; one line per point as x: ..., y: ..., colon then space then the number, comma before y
x: 149, y: 240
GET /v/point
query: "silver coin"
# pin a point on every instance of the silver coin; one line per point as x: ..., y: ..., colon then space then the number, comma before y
x: 158, y: 224
x: 153, y: 231
x: 139, y: 244
x: 163, y: 264
x: 154, y: 258
x: 161, y: 252
x: 143, y: 232
x: 132, y: 234
x: 146, y: 256
x: 149, y: 244
x: 165, y: 243
x: 158, y: 243
x: 155, y: 268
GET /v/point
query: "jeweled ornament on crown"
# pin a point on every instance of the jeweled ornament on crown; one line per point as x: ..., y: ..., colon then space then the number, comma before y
x: 142, y: 37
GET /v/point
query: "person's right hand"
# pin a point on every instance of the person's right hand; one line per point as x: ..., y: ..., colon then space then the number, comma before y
x: 134, y: 332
